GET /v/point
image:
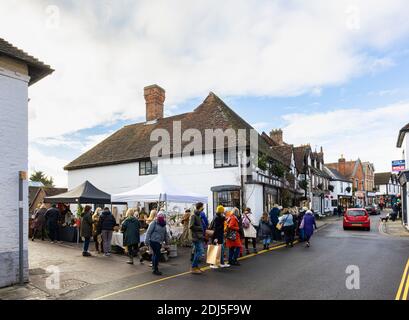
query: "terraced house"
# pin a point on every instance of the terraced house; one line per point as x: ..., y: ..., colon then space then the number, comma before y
x: 123, y: 161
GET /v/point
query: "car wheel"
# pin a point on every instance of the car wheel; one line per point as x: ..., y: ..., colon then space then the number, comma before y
x: 345, y: 228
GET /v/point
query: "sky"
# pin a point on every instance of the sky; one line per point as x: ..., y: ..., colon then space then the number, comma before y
x: 332, y: 74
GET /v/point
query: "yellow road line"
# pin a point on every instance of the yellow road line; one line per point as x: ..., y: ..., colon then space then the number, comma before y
x: 182, y: 274
x: 402, y: 282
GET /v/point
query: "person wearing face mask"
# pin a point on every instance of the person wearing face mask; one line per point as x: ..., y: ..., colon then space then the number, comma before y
x: 155, y: 236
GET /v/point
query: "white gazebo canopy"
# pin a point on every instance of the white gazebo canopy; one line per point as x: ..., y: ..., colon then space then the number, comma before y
x: 159, y: 189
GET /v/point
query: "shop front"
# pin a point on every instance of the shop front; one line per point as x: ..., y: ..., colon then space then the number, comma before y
x: 229, y: 196
x: 271, y: 197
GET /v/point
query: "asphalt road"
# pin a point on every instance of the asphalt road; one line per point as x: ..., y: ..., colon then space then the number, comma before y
x: 318, y: 272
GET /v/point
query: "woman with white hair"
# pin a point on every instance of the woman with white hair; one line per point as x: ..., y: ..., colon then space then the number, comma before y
x: 308, y: 224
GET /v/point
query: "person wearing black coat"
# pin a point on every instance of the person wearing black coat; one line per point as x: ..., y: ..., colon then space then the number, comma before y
x: 86, y: 230
x: 52, y: 217
x: 107, y: 223
x: 217, y: 226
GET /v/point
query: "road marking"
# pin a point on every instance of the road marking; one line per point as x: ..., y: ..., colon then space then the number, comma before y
x: 405, y: 279
x: 185, y: 273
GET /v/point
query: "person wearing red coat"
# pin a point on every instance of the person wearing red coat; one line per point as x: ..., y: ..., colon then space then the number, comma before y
x: 233, y: 240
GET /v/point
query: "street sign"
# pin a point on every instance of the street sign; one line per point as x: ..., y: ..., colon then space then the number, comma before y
x: 398, y: 165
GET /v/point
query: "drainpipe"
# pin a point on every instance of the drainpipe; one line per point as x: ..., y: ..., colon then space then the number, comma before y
x: 21, y: 178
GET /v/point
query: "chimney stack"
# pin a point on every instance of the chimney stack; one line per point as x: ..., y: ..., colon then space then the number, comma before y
x: 155, y: 98
x: 277, y: 137
x: 342, y: 165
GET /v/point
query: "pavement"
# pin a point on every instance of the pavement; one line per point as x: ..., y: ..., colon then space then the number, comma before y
x: 297, y: 273
x: 394, y: 229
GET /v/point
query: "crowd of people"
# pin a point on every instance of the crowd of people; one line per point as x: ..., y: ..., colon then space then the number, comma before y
x: 237, y: 233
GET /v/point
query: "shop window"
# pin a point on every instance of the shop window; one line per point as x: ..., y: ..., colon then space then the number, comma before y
x: 334, y: 203
x: 147, y: 168
x: 225, y: 158
x: 228, y: 199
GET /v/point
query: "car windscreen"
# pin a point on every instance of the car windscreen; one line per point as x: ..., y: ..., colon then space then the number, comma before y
x: 356, y: 213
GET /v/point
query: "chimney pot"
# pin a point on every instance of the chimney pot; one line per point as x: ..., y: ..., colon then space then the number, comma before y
x: 155, y: 99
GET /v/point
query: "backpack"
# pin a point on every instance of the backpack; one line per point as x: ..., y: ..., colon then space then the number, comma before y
x: 246, y: 222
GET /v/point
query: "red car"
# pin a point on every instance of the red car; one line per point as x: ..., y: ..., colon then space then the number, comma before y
x: 357, y: 218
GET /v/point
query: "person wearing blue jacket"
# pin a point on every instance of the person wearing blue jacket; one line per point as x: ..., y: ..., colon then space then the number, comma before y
x: 274, y: 218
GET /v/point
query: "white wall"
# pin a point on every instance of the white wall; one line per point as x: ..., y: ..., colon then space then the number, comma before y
x: 14, y: 158
x: 196, y: 174
x: 339, y: 190
x: 254, y: 198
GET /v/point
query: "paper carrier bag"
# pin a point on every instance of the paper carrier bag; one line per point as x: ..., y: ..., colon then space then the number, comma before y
x: 214, y: 253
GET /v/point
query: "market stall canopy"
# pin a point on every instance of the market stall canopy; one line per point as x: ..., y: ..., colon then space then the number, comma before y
x: 85, y: 193
x: 162, y: 189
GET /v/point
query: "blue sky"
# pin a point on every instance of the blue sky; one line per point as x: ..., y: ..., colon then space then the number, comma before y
x: 330, y: 74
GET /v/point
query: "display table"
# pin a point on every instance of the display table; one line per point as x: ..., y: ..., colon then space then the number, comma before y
x: 68, y: 234
x: 118, y: 239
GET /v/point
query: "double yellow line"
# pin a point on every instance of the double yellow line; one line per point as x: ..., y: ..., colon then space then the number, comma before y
x: 403, y: 289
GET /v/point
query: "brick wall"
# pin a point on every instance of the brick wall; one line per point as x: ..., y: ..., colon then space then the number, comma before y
x: 14, y: 158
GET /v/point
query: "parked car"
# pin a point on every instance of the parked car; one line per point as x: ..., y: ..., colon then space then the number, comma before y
x: 357, y: 218
x: 373, y: 209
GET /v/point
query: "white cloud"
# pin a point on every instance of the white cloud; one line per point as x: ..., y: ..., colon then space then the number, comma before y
x: 105, y: 52
x: 370, y: 135
x: 51, y: 165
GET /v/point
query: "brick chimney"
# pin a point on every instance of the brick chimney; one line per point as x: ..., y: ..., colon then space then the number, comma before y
x: 277, y: 137
x: 155, y: 98
x: 342, y: 165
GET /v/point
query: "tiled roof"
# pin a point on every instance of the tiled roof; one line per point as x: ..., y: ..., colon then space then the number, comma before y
x: 402, y: 133
x: 299, y: 157
x: 133, y: 143
x: 37, y: 69
x: 284, y: 151
x: 335, y: 174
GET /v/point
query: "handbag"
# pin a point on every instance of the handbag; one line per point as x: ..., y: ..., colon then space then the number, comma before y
x: 280, y: 225
x: 214, y: 253
x: 209, y: 234
x: 231, y: 235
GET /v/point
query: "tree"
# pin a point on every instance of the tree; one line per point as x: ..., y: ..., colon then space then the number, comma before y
x: 39, y: 176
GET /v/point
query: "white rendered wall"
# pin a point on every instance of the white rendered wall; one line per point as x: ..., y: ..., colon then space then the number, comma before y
x: 254, y: 198
x: 14, y: 158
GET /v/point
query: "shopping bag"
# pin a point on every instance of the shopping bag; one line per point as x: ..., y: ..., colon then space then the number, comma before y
x: 214, y: 253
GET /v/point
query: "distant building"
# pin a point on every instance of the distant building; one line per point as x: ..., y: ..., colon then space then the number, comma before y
x: 36, y: 196
x: 354, y: 171
x: 369, y: 184
x: 387, y: 188
x: 403, y: 143
x: 341, y: 194
x: 18, y: 71
x: 310, y: 168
